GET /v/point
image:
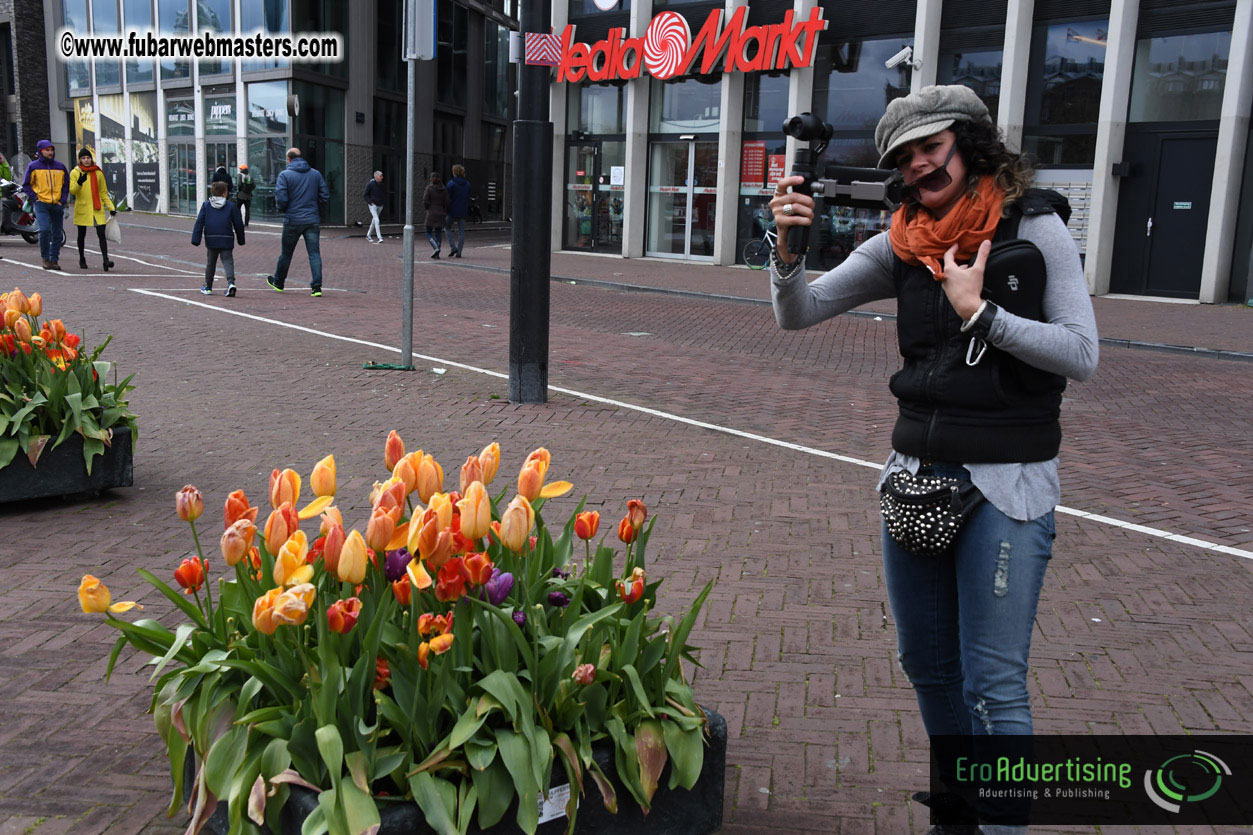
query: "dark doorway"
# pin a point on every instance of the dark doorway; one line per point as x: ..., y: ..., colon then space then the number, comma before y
x: 1163, y: 212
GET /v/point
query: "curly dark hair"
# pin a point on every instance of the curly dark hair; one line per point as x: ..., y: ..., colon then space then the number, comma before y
x: 983, y: 151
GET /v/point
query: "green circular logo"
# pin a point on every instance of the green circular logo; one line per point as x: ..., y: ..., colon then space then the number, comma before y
x: 1185, y: 778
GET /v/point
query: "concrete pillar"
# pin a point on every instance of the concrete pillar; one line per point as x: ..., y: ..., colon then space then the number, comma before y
x: 1014, y: 69
x: 241, y: 106
x: 926, y: 43
x: 202, y: 170
x: 163, y: 140
x: 1233, y: 132
x: 557, y: 98
x: 635, y: 195
x: 1111, y: 129
x: 730, y: 141
x: 800, y: 93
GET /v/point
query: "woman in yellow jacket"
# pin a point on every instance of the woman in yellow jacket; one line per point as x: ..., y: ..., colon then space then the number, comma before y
x: 92, y: 205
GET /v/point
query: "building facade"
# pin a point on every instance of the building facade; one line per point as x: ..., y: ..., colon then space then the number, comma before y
x: 1137, y: 110
x: 24, y: 112
x: 160, y: 128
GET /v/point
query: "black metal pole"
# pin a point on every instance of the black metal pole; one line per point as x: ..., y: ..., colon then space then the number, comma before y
x: 531, y: 263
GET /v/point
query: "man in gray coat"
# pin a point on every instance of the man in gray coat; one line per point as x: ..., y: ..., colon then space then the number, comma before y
x: 300, y: 194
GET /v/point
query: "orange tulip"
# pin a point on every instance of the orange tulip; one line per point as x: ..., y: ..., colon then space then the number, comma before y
x: 478, y: 568
x: 36, y: 306
x: 56, y: 329
x: 382, y: 674
x: 284, y: 487
x: 11, y: 318
x: 18, y: 301
x: 540, y: 454
x: 489, y: 461
x: 352, y: 558
x: 433, y: 545
x: 237, y: 507
x: 190, y: 575
x: 429, y: 623
x: 189, y: 504
x: 282, y: 523
x: 430, y: 478
x: 476, y: 511
x: 626, y: 531
x: 516, y: 523
x: 332, y: 546
x: 94, y: 597
x: 403, y: 590
x: 439, y: 645
x: 471, y: 471
x: 441, y: 504
x: 633, y: 589
x: 637, y: 513
x: 406, y: 472
x: 237, y: 540
x: 531, y: 480
x: 380, y: 528
x: 291, y: 607
x: 391, y: 497
x: 290, y: 566
x: 330, y: 517
x: 341, y: 616
x: 263, y: 611
x: 322, y: 480
x: 586, y: 524
x: 393, y: 450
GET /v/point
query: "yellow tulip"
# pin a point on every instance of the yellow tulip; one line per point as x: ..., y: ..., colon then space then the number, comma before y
x: 476, y: 511
x: 290, y: 566
x: 263, y: 611
x: 351, y: 567
x: 417, y: 574
x: 94, y: 597
x: 322, y: 481
x: 441, y: 504
x: 11, y: 317
x: 489, y: 461
x: 516, y: 523
x: 430, y: 478
x: 18, y: 301
x: 291, y: 607
x: 284, y: 487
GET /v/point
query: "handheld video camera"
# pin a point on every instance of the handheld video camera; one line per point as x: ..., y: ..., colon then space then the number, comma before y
x: 844, y: 185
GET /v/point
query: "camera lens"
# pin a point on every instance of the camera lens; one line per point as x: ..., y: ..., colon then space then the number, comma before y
x: 807, y: 127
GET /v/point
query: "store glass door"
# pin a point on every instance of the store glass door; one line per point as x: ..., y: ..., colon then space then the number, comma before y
x: 682, y: 199
x: 582, y: 194
x: 182, y: 174
x: 225, y: 154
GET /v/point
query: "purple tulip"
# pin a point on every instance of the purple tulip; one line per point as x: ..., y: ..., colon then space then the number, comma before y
x: 498, y: 587
x: 559, y: 599
x: 519, y: 618
x: 396, y: 563
x: 557, y: 572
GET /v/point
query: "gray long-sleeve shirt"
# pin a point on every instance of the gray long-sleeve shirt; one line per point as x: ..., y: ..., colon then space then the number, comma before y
x: 1065, y: 343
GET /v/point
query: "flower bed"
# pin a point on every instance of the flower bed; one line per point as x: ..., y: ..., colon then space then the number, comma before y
x: 449, y: 657
x: 56, y: 397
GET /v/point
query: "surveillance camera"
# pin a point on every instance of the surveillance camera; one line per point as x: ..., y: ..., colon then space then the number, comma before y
x: 905, y: 55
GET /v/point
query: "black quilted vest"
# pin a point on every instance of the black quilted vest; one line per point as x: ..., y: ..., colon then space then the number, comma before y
x: 1001, y: 410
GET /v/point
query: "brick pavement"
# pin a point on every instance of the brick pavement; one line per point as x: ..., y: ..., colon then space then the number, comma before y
x: 1134, y: 634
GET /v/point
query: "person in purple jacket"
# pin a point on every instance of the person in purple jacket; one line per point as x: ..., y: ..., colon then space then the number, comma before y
x: 47, y: 183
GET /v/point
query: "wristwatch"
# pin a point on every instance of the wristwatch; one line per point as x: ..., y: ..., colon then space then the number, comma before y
x: 980, y: 324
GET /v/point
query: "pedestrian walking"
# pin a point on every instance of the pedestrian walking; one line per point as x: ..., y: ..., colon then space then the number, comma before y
x: 375, y: 197
x: 221, y: 225
x: 300, y: 193
x: 47, y: 184
x: 222, y: 176
x: 435, y: 199
x: 458, y: 208
x: 243, y: 193
x: 986, y: 357
x: 92, y: 206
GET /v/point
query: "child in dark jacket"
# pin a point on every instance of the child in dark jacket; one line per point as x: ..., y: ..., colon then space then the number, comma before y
x: 221, y: 224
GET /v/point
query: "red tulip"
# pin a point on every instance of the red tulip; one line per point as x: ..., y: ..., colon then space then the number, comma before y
x: 341, y: 616
x: 237, y: 507
x: 633, y: 589
x: 190, y: 575
x: 626, y: 531
x: 586, y: 524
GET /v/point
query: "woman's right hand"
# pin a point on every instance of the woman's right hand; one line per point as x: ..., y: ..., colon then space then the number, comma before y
x: 802, y: 205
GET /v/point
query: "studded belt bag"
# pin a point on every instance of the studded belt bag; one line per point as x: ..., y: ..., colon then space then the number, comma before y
x: 924, y: 514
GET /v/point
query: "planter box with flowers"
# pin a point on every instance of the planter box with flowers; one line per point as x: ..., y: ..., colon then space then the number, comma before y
x: 72, y: 426
x: 444, y: 666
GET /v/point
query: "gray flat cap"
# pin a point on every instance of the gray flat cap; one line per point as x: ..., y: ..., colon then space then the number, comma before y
x: 930, y: 110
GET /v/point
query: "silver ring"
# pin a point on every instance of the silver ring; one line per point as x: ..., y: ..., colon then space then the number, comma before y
x: 789, y: 209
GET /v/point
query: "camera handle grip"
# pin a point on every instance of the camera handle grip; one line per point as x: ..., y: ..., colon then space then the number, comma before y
x: 798, y: 236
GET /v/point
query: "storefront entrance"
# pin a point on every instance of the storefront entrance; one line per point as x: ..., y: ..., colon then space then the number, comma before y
x: 595, y: 185
x: 682, y: 198
x: 222, y: 154
x: 182, y: 172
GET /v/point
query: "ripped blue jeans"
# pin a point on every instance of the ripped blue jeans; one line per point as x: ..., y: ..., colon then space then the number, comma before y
x: 964, y: 619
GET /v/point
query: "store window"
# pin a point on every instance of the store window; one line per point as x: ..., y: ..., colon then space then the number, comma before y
x: 77, y: 73
x: 449, y: 145
x: 497, y: 88
x: 329, y: 16
x: 762, y: 155
x: 175, y: 19
x: 596, y: 108
x: 214, y: 16
x: 1064, y: 92
x: 389, y: 27
x: 106, y: 21
x: 979, y: 70
x: 267, y: 141
x: 219, y: 115
x: 268, y: 17
x: 138, y: 15
x: 1179, y: 78
x: 685, y: 105
x: 180, y: 118
x: 451, y: 67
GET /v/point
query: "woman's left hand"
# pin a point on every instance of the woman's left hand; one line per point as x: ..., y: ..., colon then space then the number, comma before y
x: 964, y: 285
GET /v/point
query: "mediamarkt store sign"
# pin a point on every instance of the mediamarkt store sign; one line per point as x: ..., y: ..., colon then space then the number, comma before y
x: 668, y: 49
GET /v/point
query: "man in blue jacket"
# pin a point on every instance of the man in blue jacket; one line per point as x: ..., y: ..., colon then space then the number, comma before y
x: 300, y: 194
x: 458, y: 207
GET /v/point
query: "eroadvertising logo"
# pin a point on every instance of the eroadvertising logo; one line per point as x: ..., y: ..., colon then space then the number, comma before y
x: 668, y: 48
x: 1185, y: 778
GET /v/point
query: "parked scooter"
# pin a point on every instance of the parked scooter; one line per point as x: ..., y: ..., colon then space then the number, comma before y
x: 14, y: 221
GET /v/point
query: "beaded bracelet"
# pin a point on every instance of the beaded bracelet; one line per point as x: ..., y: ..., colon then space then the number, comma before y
x: 785, y: 271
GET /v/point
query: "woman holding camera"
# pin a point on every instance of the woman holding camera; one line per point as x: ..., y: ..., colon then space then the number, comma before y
x: 979, y: 397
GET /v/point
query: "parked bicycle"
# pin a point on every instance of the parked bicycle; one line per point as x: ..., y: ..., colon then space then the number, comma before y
x: 757, y: 251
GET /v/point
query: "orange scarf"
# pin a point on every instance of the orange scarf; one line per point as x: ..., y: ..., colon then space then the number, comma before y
x: 90, y: 171
x: 924, y: 240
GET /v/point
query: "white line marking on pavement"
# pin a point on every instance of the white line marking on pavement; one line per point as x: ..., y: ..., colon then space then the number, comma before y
x: 146, y: 263
x: 739, y: 433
